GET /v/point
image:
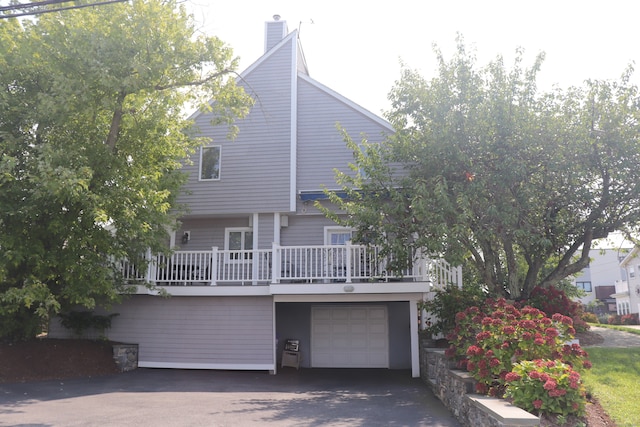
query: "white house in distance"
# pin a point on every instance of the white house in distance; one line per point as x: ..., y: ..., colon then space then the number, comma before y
x: 599, y: 278
x: 256, y: 263
x: 627, y: 292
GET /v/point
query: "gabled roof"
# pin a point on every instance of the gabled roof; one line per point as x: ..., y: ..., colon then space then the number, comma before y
x: 303, y: 73
x: 346, y: 101
x: 633, y: 254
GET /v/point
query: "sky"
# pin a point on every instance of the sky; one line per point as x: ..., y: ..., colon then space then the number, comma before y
x: 355, y: 47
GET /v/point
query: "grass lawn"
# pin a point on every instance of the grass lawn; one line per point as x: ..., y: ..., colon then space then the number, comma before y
x: 614, y: 380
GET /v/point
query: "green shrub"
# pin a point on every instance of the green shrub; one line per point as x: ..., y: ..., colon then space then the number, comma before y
x: 81, y: 321
x: 552, y: 301
x: 488, y: 341
x: 446, y: 303
x: 546, y: 387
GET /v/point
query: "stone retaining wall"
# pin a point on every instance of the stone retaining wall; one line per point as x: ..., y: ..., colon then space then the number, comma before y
x: 455, y: 389
x: 126, y: 356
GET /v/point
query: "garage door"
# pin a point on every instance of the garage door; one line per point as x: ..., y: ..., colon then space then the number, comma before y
x: 349, y: 337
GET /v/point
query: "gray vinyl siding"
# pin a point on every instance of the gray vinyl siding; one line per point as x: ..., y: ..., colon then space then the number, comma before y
x: 194, y: 330
x: 255, y: 167
x: 320, y: 145
x: 305, y: 230
x: 208, y: 232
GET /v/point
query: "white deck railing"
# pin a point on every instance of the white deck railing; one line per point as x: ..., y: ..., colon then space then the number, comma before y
x: 287, y: 264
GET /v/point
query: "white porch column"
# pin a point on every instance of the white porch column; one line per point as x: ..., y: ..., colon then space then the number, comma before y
x: 276, y: 228
x: 415, y: 339
x: 214, y: 265
x: 275, y: 263
x: 255, y: 263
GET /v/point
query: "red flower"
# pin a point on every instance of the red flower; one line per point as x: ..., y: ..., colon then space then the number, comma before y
x: 550, y: 385
x: 512, y: 376
x: 537, y: 403
x: 474, y: 350
x: 509, y: 330
x: 586, y: 364
x: 551, y: 332
x: 557, y: 392
x: 494, y: 362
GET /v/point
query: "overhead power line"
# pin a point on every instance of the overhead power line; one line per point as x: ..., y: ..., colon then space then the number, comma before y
x: 48, y: 3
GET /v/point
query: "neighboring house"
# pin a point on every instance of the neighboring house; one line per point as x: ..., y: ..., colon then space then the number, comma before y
x: 627, y: 292
x: 256, y: 262
x: 598, y: 279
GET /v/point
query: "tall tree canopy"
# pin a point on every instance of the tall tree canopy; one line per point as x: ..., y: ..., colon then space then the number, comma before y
x: 92, y: 135
x: 484, y: 168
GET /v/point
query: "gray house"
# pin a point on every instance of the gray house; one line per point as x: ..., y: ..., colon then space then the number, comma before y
x: 256, y: 263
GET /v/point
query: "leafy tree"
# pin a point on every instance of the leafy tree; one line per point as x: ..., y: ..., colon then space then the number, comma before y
x: 92, y: 138
x: 484, y: 168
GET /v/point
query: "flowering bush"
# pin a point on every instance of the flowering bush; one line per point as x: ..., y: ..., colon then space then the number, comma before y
x: 487, y: 343
x: 629, y: 319
x: 590, y: 317
x: 552, y: 301
x: 546, y: 386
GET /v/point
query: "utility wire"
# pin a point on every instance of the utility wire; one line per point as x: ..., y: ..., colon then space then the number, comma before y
x: 18, y: 6
x: 49, y: 2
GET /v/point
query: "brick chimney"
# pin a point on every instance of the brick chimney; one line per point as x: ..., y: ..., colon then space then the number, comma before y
x: 275, y: 31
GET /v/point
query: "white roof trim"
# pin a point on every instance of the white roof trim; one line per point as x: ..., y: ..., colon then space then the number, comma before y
x: 345, y: 100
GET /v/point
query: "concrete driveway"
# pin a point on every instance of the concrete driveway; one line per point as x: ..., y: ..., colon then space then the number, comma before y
x: 159, y: 397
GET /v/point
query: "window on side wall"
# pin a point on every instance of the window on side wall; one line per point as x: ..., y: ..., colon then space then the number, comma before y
x: 210, y: 163
x: 585, y: 286
x: 632, y: 272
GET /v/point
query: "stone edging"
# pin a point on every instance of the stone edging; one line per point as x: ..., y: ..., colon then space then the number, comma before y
x: 125, y: 356
x: 455, y: 390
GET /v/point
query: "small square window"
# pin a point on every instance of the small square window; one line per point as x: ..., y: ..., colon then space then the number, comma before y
x: 210, y: 163
x: 585, y: 286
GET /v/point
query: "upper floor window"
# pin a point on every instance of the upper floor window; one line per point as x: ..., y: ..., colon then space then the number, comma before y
x: 632, y: 272
x: 585, y: 286
x: 210, y: 163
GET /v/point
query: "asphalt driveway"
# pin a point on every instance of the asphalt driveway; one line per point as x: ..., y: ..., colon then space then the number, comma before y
x: 159, y: 397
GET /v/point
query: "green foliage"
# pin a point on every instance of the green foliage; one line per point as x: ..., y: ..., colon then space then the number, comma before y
x: 82, y: 321
x: 484, y: 168
x: 446, y: 303
x: 487, y: 341
x: 92, y: 139
x: 551, y: 300
x: 546, y: 387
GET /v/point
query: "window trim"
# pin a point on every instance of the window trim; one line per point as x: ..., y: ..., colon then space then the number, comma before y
x: 335, y: 228
x: 202, y: 148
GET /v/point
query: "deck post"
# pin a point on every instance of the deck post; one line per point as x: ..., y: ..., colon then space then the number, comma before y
x: 349, y: 248
x: 151, y: 268
x: 214, y: 265
x: 275, y: 263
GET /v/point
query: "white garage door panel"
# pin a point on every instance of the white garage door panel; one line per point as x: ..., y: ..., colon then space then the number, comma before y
x: 349, y: 337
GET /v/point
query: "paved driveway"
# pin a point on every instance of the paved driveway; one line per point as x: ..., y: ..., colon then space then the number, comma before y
x: 158, y: 397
